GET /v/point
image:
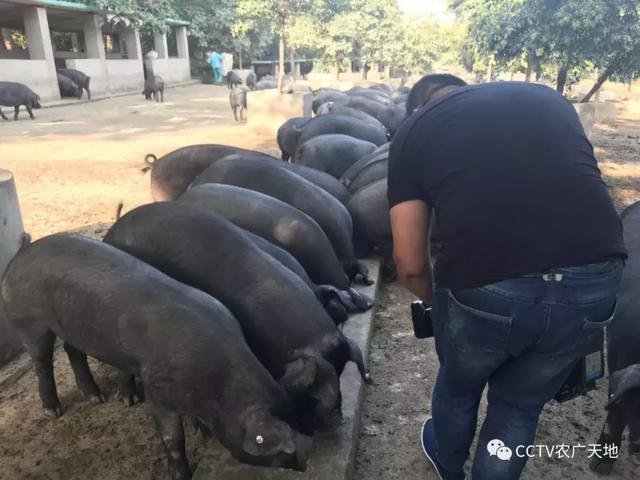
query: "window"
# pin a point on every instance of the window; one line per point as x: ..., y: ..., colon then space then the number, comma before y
x: 68, y: 41
x: 111, y: 43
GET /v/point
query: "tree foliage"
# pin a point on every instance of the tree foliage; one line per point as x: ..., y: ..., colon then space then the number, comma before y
x: 568, y: 35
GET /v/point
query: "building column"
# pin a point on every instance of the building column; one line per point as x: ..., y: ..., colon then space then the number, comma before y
x: 132, y: 40
x: 297, y: 70
x: 94, y: 43
x: 160, y: 44
x: 36, y: 27
x: 182, y: 42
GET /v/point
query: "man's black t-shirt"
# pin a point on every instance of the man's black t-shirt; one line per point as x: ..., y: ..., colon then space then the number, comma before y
x: 513, y: 181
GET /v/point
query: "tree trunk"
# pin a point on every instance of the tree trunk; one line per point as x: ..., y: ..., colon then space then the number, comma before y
x: 561, y: 81
x: 490, y: 72
x: 293, y: 63
x: 601, y: 79
x: 281, y: 62
x: 630, y: 82
x: 529, y: 70
x: 240, y: 59
x: 337, y: 68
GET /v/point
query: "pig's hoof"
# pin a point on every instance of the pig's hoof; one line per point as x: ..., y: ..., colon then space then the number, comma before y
x: 180, y: 470
x: 94, y: 395
x: 53, y: 412
x: 602, y: 466
x: 95, y: 398
x: 367, y: 379
x: 131, y: 399
x: 366, y: 280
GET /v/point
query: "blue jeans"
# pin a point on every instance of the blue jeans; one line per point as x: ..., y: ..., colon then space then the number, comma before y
x: 522, y: 337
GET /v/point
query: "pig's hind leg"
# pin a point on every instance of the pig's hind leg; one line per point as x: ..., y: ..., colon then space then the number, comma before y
x: 169, y: 425
x: 612, y: 431
x: 2, y: 115
x: 84, y: 379
x: 40, y: 344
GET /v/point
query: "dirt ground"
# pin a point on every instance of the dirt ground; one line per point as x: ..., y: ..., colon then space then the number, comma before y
x: 74, y: 164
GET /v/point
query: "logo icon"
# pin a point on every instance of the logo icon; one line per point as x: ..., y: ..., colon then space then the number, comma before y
x: 496, y: 448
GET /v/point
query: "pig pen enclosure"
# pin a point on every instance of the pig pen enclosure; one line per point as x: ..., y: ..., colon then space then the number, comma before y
x: 74, y: 164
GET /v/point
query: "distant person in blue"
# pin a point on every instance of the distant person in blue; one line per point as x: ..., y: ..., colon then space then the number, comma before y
x: 215, y: 60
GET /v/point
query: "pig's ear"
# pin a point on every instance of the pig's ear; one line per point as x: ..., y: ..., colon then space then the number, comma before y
x: 264, y: 439
x: 328, y: 395
x: 300, y: 374
x: 623, y: 381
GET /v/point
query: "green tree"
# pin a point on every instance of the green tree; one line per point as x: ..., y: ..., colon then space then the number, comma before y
x: 569, y: 34
x: 271, y: 15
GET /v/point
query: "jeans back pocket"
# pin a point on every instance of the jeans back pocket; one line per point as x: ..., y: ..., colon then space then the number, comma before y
x: 472, y: 328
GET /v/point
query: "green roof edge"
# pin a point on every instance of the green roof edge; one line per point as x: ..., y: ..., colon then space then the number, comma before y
x: 85, y: 7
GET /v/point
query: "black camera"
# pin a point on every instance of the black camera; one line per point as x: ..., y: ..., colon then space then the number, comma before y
x: 421, y: 317
x: 588, y: 369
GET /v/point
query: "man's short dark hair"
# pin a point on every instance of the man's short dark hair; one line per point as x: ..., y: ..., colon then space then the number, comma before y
x: 423, y: 91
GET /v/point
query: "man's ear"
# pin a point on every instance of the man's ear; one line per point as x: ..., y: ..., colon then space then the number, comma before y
x: 623, y: 381
x: 300, y: 374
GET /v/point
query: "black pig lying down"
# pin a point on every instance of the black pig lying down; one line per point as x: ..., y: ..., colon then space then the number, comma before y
x: 623, y: 351
x: 185, y: 345
x: 327, y: 295
x: 284, y: 324
x: 283, y: 225
x: 272, y: 180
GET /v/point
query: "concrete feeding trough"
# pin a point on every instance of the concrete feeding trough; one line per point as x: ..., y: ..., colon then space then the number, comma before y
x: 11, y: 238
x: 333, y: 452
x: 596, y: 112
x: 268, y: 109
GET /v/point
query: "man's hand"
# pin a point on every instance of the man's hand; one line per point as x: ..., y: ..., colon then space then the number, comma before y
x: 410, y: 225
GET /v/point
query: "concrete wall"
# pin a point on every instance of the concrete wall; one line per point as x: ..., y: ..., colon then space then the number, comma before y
x: 172, y: 70
x: 596, y: 112
x: 33, y: 73
x: 587, y: 114
x: 11, y: 231
x: 125, y: 75
x: 268, y: 109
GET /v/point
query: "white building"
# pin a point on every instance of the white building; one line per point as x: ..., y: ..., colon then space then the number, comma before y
x: 38, y: 37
